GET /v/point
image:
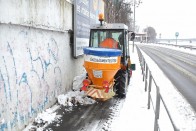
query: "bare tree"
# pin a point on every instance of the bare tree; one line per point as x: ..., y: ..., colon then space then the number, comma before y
x: 123, y: 13
x: 151, y: 34
x: 119, y: 11
x: 109, y: 11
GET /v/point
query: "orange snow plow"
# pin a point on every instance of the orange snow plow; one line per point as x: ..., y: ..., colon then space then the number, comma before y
x: 107, y: 61
x: 101, y: 65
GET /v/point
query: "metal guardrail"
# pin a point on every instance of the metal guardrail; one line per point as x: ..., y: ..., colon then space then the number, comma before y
x: 180, y: 46
x: 148, y: 78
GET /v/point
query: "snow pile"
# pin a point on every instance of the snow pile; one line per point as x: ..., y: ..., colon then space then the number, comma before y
x: 77, y: 82
x: 75, y: 98
x: 44, y: 119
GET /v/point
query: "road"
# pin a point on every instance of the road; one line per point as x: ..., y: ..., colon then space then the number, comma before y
x: 95, y: 117
x: 179, y: 67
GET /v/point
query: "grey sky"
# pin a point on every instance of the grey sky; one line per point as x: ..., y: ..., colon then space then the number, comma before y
x: 168, y: 17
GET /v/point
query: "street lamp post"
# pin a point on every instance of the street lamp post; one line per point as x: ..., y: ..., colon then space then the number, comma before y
x: 134, y: 23
x: 135, y: 4
x: 176, y: 34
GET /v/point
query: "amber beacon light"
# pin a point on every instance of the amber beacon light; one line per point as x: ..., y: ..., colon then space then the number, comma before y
x: 101, y: 18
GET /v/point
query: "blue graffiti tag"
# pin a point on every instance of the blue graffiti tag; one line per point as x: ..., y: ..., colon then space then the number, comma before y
x: 2, y: 79
x: 11, y: 52
x: 53, y: 52
x: 8, y: 79
x: 23, y: 79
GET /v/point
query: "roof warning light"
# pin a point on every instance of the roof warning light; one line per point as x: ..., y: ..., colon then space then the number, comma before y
x: 101, y: 18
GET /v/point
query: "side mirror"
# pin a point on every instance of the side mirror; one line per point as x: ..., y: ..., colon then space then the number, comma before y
x: 132, y: 36
x: 126, y: 32
x: 133, y: 67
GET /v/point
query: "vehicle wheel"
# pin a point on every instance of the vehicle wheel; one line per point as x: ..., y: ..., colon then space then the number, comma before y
x: 121, y: 83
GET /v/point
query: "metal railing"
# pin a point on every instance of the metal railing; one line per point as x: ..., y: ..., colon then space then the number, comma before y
x: 148, y: 78
x: 191, y: 47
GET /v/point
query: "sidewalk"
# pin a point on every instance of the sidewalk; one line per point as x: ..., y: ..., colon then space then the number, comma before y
x: 134, y: 116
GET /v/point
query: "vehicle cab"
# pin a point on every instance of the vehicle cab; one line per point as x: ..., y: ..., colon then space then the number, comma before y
x: 108, y: 35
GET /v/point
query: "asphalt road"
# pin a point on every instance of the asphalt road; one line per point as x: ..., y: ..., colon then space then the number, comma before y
x: 179, y: 67
x: 95, y: 117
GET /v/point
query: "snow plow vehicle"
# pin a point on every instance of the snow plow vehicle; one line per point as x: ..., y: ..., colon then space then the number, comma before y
x: 107, y: 61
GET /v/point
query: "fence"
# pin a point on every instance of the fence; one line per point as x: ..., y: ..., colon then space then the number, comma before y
x: 191, y: 47
x: 148, y: 78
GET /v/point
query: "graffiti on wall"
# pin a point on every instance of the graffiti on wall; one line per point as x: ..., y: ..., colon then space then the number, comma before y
x: 30, y: 76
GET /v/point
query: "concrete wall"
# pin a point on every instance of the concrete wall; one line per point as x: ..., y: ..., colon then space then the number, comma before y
x: 35, y: 58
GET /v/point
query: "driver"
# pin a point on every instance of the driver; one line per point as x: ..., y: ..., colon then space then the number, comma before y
x: 109, y: 43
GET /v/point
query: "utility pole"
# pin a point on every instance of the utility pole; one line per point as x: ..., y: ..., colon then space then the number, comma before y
x: 147, y: 35
x: 134, y: 23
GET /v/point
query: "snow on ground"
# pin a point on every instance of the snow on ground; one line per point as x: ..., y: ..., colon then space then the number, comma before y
x: 72, y: 98
x: 134, y: 115
x: 180, y: 43
x: 186, y: 50
x: 182, y: 113
x: 43, y: 119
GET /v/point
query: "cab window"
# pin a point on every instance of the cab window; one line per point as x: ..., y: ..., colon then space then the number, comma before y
x: 98, y: 36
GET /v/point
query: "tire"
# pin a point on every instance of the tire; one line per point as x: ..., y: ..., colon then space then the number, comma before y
x: 121, y: 83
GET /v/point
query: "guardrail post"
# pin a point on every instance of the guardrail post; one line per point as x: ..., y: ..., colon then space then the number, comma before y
x: 146, y: 77
x: 149, y: 89
x: 157, y: 110
x: 146, y: 82
x: 144, y: 66
x: 146, y: 71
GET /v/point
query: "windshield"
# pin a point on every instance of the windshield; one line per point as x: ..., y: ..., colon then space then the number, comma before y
x: 101, y: 37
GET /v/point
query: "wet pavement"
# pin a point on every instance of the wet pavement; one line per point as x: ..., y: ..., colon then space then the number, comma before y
x: 95, y: 117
